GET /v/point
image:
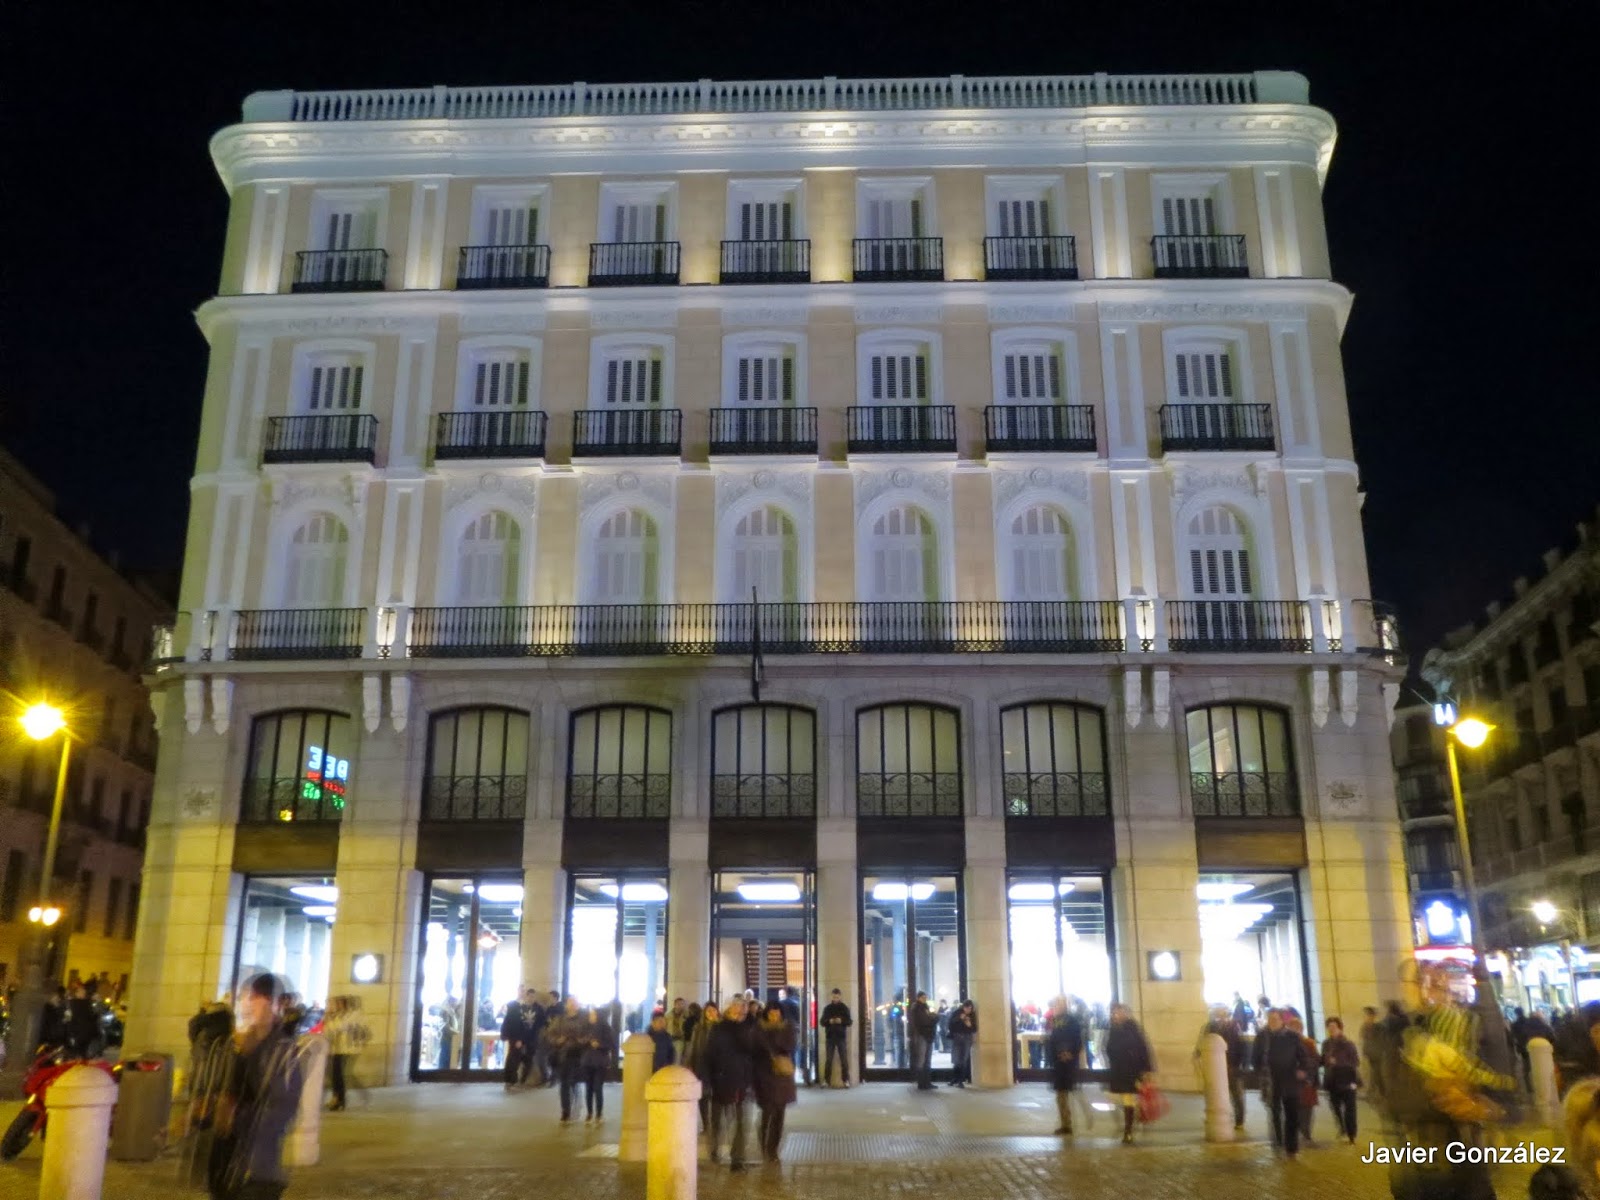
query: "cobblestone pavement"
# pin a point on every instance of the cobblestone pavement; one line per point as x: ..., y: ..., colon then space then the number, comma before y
x: 473, y: 1142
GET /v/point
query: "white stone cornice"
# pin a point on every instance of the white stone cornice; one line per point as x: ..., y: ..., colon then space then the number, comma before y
x: 1201, y: 311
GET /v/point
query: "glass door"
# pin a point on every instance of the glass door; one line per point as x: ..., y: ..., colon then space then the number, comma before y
x: 1060, y: 935
x: 911, y: 941
x: 763, y: 944
x: 471, y: 969
x: 617, y: 948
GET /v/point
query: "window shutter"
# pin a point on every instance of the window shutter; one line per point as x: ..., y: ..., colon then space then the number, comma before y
x: 619, y: 223
x: 922, y: 379
x: 1011, y: 376
x: 611, y: 381
x: 1044, y: 218
x: 522, y: 368
x: 1229, y: 582
x: 916, y: 216
x: 787, y: 212
x: 1225, y: 368
x: 1209, y: 225
x: 1212, y: 574
x: 744, y: 222
x: 1244, y: 574
x: 1170, y: 220
x: 756, y: 379
x: 533, y: 226
x: 787, y: 394
x: 655, y: 381
x: 744, y: 381
x: 1054, y: 364
x: 661, y: 223
x: 1183, y: 376
x: 877, y: 377
x: 1210, y: 361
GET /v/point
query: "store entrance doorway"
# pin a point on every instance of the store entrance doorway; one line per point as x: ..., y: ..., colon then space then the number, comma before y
x: 764, y: 945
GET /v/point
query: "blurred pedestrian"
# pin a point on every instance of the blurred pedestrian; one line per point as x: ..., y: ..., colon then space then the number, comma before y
x: 1063, y: 1049
x: 775, y: 1089
x: 1341, y: 1075
x: 1129, y: 1065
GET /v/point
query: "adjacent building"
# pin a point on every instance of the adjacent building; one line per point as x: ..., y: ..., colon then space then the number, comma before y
x: 1440, y: 913
x: 1531, y: 666
x: 658, y: 540
x: 74, y: 631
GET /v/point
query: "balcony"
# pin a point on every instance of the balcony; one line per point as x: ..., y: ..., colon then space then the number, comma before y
x: 1054, y: 257
x: 1216, y: 427
x: 1244, y: 794
x: 633, y: 264
x: 764, y: 431
x: 340, y: 270
x: 475, y: 798
x: 1239, y: 626
x: 756, y: 796
x: 288, y: 798
x: 897, y: 260
x: 1200, y: 256
x: 1030, y: 428
x: 627, y: 433
x: 511, y: 433
x: 349, y: 438
x: 833, y: 627
x: 767, y: 262
x: 901, y: 429
x: 278, y: 634
x: 503, y: 267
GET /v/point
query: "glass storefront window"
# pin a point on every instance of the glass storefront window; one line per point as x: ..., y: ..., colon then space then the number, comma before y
x: 298, y: 767
x: 1251, y: 941
x: 286, y: 928
x: 471, y: 970
x: 1240, y: 763
x: 620, y: 763
x: 908, y: 761
x: 763, y: 762
x: 617, y: 948
x: 477, y: 766
x: 1054, y: 761
x: 911, y: 941
x: 1061, y: 945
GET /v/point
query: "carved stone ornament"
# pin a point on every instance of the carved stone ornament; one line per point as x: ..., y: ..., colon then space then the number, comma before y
x: 1319, y: 696
x: 348, y: 489
x: 1344, y: 797
x: 735, y: 483
x: 899, y: 314
x: 399, y: 701
x: 1161, y: 696
x: 655, y: 317
x: 1010, y: 482
x: 333, y: 325
x: 595, y: 487
x: 1032, y: 314
x: 200, y: 803
x: 508, y: 320
x: 1189, y: 481
x: 194, y: 704
x: 1152, y: 311
x: 1349, y: 681
x: 766, y: 314
x: 928, y: 484
x: 1133, y: 696
x: 221, y: 703
x: 520, y: 492
x: 372, y: 701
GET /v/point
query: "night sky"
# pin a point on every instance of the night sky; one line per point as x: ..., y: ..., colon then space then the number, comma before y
x: 1454, y: 212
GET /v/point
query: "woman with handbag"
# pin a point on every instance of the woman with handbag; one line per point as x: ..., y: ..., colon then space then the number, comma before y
x: 775, y: 1042
x: 1129, y: 1066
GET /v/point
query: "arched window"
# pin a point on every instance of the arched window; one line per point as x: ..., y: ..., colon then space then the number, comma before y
x: 487, y: 562
x: 763, y: 760
x: 1039, y: 556
x: 619, y: 764
x: 1240, y: 764
x: 908, y: 761
x: 314, y: 575
x: 764, y: 556
x: 625, y: 567
x: 1219, y: 556
x: 1054, y: 761
x: 477, y: 766
x: 298, y: 767
x: 902, y: 559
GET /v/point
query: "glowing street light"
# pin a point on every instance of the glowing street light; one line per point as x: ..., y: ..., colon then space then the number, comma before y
x: 1544, y: 912
x: 43, y: 721
x: 1471, y: 732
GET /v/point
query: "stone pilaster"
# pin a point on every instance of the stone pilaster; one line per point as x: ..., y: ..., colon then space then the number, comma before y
x: 689, y: 908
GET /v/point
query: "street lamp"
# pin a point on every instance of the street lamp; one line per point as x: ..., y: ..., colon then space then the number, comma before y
x: 40, y: 722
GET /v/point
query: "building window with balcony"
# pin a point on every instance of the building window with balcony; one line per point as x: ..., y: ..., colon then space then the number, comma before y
x: 765, y: 241
x: 908, y: 761
x: 1034, y: 378
x: 902, y: 558
x: 899, y: 395
x: 328, y: 421
x: 625, y: 560
x: 762, y: 371
x: 496, y: 413
x: 298, y: 767
x: 620, y: 763
x: 1193, y: 238
x: 894, y: 227
x: 1240, y: 762
x: 764, y: 762
x: 637, y: 225
x: 1208, y: 398
x: 1054, y: 761
x: 1026, y: 238
x: 477, y: 766
x: 345, y: 253
x: 505, y: 251
x: 630, y: 409
x: 763, y: 558
x: 488, y: 562
x: 314, y: 570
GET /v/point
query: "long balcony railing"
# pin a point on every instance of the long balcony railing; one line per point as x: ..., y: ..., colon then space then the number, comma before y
x: 1200, y: 256
x: 1239, y: 626
x: 633, y: 264
x: 340, y: 270
x: 901, y: 429
x: 350, y: 437
x: 271, y: 634
x: 763, y: 431
x: 627, y: 433
x: 503, y: 267
x: 1216, y: 427
x: 511, y: 433
x: 1042, y: 257
x: 1023, y: 428
x: 913, y: 259
x: 767, y: 262
x: 830, y: 627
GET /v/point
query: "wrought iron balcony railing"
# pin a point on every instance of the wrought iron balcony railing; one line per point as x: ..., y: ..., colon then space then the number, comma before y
x: 767, y: 262
x: 509, y: 433
x: 1200, y: 256
x: 642, y: 796
x: 503, y: 267
x: 475, y: 797
x: 291, y: 798
x: 763, y: 431
x: 901, y: 429
x: 913, y: 259
x: 1239, y: 626
x: 830, y: 627
x: 627, y: 433
x: 351, y: 437
x: 753, y: 796
x: 273, y: 634
x: 908, y: 794
x: 340, y: 270
x: 1216, y: 427
x: 1042, y: 257
x: 1055, y: 794
x: 633, y: 264
x: 1244, y: 794
x: 1026, y: 428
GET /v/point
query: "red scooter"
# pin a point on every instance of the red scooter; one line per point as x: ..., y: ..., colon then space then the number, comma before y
x: 52, y: 1063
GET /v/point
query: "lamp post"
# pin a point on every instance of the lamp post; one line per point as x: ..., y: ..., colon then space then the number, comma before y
x: 40, y: 722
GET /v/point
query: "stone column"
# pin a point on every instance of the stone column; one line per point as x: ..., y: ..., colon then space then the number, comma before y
x: 544, y: 905
x: 689, y: 908
x: 988, y: 968
x: 838, y: 937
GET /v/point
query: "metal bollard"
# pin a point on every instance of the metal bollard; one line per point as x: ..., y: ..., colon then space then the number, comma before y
x: 1219, y: 1101
x: 79, y: 1105
x: 1542, y: 1077
x: 673, y: 1169
x: 303, y: 1147
x: 638, y: 1054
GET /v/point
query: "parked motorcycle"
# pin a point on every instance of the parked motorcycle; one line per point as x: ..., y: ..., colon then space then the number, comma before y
x: 52, y: 1063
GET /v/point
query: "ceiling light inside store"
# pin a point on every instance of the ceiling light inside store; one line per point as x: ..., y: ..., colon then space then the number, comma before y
x: 1230, y: 920
x: 1222, y: 891
x: 500, y: 893
x: 1032, y: 891
x: 641, y: 892
x: 899, y: 891
x: 319, y: 910
x: 324, y: 893
x: 769, y: 893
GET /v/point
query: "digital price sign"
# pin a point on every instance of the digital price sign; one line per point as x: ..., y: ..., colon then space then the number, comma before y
x: 327, y: 777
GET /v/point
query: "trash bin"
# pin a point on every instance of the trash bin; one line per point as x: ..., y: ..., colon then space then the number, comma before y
x: 144, y: 1108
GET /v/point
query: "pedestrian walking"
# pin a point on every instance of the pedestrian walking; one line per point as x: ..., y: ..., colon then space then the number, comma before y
x: 1341, y: 1075
x: 599, y: 1057
x: 674, y: 1026
x: 1129, y: 1064
x: 775, y: 1090
x: 730, y: 1069
x: 347, y: 1035
x: 963, y: 1032
x: 695, y: 1055
x: 836, y: 1022
x: 514, y: 1037
x: 1288, y: 1065
x: 921, y: 1020
x: 565, y: 1037
x: 1063, y: 1048
x: 1224, y: 1026
x: 1310, y: 1089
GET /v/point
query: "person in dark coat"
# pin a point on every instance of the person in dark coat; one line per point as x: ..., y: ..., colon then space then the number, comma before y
x: 1223, y: 1025
x: 514, y: 1037
x: 1063, y: 1048
x: 729, y: 1064
x: 259, y: 1100
x: 1341, y: 1075
x: 599, y: 1057
x: 666, y: 1049
x: 565, y: 1037
x: 921, y: 1021
x: 694, y: 1054
x: 1128, y: 1062
x: 775, y: 1042
x: 836, y: 1022
x: 1289, y: 1065
x: 963, y: 1030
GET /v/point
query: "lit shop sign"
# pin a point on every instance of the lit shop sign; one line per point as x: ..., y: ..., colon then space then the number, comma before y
x: 326, y: 777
